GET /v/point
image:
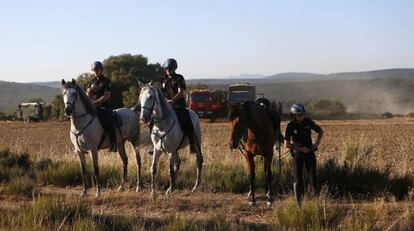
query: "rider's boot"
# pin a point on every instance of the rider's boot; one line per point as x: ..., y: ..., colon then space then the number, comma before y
x: 193, y: 145
x: 297, y: 194
x: 112, y: 139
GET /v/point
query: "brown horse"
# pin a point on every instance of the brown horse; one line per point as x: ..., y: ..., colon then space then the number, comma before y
x: 253, y: 132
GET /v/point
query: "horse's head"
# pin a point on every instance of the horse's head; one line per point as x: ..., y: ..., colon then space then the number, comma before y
x: 70, y: 95
x: 147, y: 99
x: 238, y: 124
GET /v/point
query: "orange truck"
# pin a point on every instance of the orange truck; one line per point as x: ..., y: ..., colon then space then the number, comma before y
x: 207, y: 103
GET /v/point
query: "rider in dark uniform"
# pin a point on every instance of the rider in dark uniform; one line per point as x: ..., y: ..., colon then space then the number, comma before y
x: 99, y: 91
x: 298, y: 139
x: 173, y: 87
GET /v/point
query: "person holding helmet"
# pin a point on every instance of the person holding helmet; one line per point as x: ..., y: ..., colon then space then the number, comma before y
x: 173, y: 87
x: 99, y: 91
x: 298, y: 139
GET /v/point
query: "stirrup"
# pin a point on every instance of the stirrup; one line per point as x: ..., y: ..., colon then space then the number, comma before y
x: 113, y: 148
x: 193, y: 148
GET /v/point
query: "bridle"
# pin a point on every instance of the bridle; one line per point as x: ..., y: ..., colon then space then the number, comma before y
x: 151, y: 109
x: 72, y: 105
x: 74, y: 116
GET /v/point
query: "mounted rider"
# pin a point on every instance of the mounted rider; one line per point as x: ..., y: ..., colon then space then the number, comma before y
x: 99, y: 91
x: 298, y: 139
x: 173, y: 87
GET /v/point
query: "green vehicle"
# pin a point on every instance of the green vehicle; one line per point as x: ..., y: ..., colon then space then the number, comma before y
x: 30, y: 112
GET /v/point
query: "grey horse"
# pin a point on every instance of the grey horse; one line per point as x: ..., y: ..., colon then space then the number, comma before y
x: 166, y: 134
x: 87, y: 134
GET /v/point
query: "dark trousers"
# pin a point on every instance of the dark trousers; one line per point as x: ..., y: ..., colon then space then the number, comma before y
x: 309, y: 160
x: 185, y: 122
x: 106, y: 117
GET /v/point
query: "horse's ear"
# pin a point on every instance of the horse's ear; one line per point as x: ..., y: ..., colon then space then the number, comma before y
x: 63, y: 82
x: 140, y: 84
x: 151, y: 83
x: 73, y: 81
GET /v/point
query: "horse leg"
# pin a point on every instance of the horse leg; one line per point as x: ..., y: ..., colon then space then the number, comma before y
x: 155, y: 158
x: 124, y: 158
x: 268, y: 179
x: 250, y: 162
x: 173, y: 160
x: 95, y: 171
x: 81, y: 156
x: 199, y: 160
x: 138, y: 163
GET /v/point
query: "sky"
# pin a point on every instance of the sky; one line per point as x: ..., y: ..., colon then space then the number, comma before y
x: 50, y: 40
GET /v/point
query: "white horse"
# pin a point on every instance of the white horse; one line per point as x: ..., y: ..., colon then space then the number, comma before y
x: 87, y: 134
x: 166, y: 134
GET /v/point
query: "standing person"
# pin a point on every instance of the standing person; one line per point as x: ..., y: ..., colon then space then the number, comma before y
x: 99, y: 91
x: 173, y: 88
x: 298, y: 139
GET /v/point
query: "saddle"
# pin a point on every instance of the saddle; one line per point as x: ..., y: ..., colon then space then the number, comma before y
x: 180, y: 113
x: 117, y: 120
x: 265, y: 104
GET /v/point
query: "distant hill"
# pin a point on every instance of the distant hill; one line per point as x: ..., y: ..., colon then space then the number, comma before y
x: 292, y: 75
x: 372, y: 91
x: 54, y: 84
x: 13, y: 93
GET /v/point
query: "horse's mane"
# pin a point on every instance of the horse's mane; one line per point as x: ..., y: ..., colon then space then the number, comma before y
x: 90, y: 108
x: 161, y: 100
x: 249, y: 106
x: 85, y: 100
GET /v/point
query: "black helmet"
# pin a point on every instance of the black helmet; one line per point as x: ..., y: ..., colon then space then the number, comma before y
x: 96, y: 65
x: 297, y: 108
x: 170, y: 64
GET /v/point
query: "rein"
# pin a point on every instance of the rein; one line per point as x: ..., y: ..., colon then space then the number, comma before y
x: 73, y: 117
x: 159, y: 120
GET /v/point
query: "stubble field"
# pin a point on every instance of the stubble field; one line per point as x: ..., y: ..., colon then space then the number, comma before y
x: 365, y: 150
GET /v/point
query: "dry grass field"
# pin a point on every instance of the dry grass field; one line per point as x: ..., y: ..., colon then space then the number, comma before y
x: 367, y: 150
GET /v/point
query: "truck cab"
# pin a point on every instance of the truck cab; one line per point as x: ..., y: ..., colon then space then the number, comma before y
x: 241, y: 92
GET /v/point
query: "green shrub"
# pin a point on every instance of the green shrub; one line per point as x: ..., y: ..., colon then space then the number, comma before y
x: 174, y: 222
x: 23, y: 186
x: 14, y: 165
x: 313, y: 215
x: 324, y: 107
x: 9, y: 160
x: 371, y: 217
x: 85, y: 224
x: 222, y: 178
x: 62, y: 174
x: 54, y: 210
x: 355, y: 154
x: 362, y: 181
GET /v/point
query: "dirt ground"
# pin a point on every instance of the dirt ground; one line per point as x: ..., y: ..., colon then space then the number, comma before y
x: 391, y: 141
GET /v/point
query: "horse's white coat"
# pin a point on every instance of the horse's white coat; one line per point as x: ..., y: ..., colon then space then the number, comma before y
x: 166, y: 134
x: 86, y: 132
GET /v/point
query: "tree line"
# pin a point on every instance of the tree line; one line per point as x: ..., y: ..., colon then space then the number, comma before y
x: 126, y: 70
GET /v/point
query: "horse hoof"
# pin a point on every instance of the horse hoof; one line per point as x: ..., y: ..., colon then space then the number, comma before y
x: 249, y: 194
x: 252, y: 203
x: 137, y: 189
x: 153, y: 196
x: 269, y: 203
x: 121, y: 188
x: 82, y: 194
x: 195, y: 187
x: 98, y: 193
x: 168, y: 193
